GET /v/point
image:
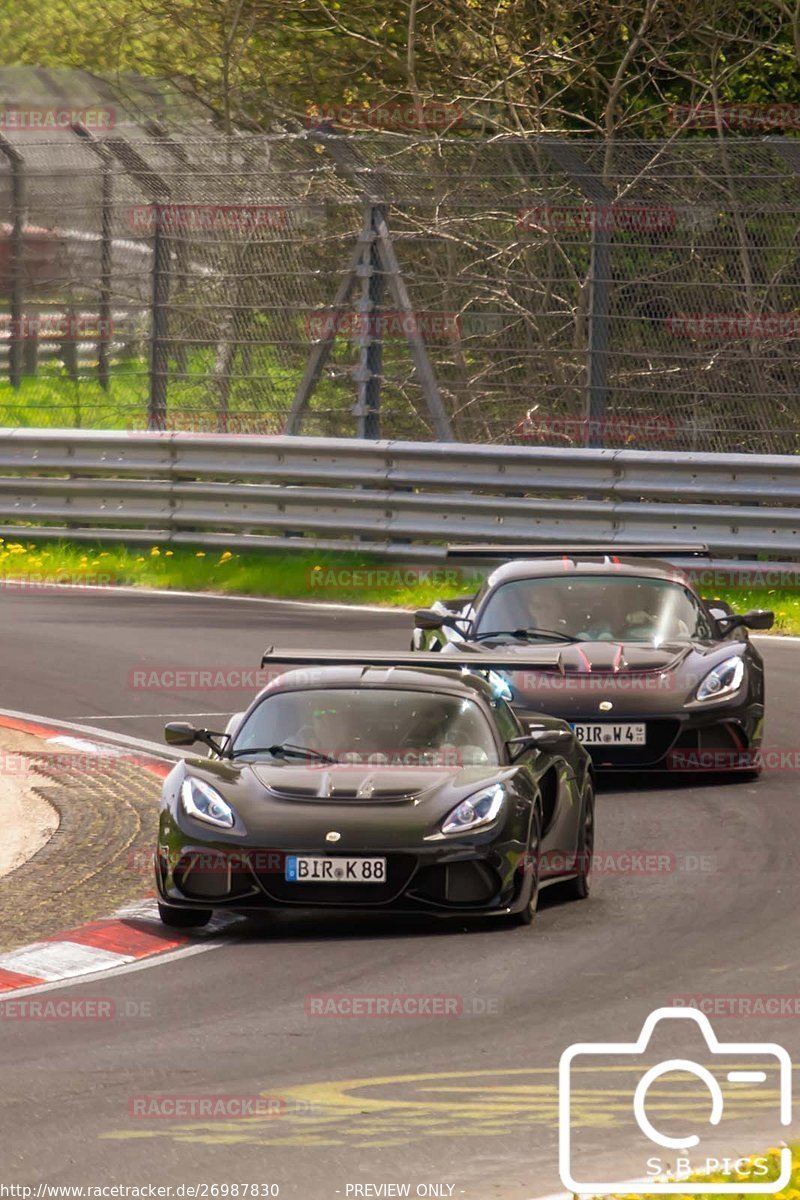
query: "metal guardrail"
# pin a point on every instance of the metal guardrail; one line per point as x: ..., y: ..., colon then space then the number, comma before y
x: 394, y: 498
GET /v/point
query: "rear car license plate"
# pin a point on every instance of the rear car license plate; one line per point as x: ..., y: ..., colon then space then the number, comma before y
x: 307, y: 868
x: 606, y: 734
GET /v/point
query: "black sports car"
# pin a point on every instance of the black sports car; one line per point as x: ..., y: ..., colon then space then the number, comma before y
x: 648, y: 674
x: 375, y: 783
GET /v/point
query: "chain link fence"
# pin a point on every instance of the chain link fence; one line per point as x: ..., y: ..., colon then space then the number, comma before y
x: 535, y: 291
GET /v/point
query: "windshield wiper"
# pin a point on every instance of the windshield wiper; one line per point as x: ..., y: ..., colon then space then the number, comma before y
x: 286, y: 750
x: 525, y: 635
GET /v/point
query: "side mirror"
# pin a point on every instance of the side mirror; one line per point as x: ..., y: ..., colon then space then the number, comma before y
x: 754, y: 618
x: 759, y: 618
x: 537, y: 739
x: 180, y: 733
x: 427, y: 618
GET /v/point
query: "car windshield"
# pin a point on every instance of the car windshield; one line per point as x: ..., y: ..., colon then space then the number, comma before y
x: 597, y: 608
x: 374, y: 726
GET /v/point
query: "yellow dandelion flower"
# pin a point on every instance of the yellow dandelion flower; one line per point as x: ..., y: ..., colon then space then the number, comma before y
x: 200, y: 554
x: 155, y: 552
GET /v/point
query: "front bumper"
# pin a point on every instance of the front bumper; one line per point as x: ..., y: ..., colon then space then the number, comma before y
x: 482, y: 881
x: 689, y: 740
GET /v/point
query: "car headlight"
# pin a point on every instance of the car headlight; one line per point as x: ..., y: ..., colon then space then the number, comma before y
x: 725, y: 680
x: 199, y: 800
x: 480, y: 809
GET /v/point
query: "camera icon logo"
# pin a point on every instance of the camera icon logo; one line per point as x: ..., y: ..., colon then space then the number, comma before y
x: 751, y: 1056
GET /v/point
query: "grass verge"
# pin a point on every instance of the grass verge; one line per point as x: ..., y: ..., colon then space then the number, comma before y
x: 289, y: 575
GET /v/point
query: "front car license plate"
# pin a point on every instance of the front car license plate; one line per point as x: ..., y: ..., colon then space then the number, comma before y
x: 603, y: 733
x: 307, y: 868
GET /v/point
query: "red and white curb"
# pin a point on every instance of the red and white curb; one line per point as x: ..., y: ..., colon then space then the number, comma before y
x: 99, y: 946
x: 131, y: 934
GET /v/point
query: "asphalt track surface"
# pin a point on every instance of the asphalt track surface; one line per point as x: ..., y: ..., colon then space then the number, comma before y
x: 467, y: 1102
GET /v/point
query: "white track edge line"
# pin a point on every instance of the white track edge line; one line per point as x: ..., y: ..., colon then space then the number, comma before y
x: 129, y: 590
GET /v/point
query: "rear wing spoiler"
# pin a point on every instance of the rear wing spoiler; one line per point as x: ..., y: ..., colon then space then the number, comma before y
x: 468, y: 659
x: 579, y: 550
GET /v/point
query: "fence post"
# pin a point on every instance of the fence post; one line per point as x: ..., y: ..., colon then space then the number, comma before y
x: 600, y: 197
x: 106, y: 234
x: 159, y: 326
x: 599, y: 302
x: 16, y: 261
x: 370, y: 364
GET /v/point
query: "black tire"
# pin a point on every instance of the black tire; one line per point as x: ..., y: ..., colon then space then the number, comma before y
x: 527, y: 915
x: 183, y: 918
x: 580, y: 887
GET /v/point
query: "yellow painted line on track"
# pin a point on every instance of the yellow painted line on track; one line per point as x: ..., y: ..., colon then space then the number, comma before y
x: 434, y: 1104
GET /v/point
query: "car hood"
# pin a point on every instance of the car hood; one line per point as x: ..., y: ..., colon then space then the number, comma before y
x: 291, y: 805
x: 381, y: 784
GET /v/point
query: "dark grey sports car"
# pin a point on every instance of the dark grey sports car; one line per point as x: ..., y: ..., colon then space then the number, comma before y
x: 375, y: 783
x: 647, y: 673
